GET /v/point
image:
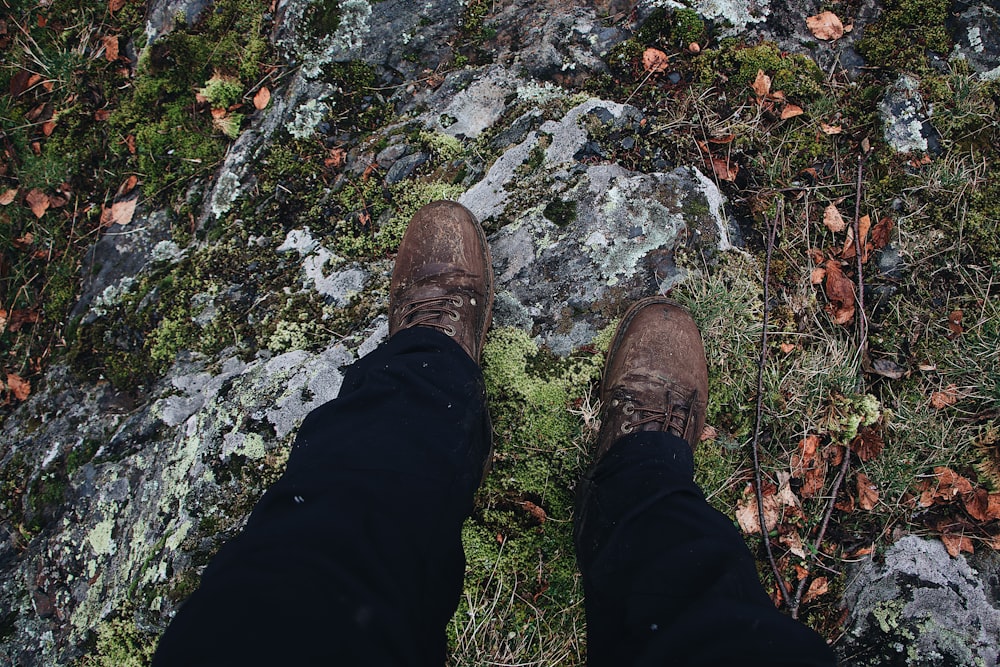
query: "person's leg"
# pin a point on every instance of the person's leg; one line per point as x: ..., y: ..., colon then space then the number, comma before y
x: 354, y: 556
x: 667, y: 579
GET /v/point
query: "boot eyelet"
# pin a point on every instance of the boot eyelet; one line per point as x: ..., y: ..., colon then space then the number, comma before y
x: 629, y: 409
x: 450, y: 330
x: 626, y: 428
x: 458, y: 301
x: 453, y: 316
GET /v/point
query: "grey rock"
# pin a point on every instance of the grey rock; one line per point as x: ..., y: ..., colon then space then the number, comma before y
x: 923, y: 607
x: 387, y: 156
x: 162, y: 15
x: 906, y: 126
x: 977, y: 38
x: 404, y: 167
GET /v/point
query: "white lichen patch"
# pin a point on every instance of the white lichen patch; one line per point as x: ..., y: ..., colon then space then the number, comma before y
x: 307, y: 117
x: 226, y: 192
x: 737, y: 13
x: 99, y: 537
x: 344, y: 44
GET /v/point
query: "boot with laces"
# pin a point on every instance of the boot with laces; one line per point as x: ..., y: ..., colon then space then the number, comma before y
x: 655, y: 377
x: 443, y: 276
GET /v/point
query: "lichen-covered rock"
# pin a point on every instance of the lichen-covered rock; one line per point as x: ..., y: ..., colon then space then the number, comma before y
x: 977, y: 38
x: 906, y: 126
x: 923, y: 607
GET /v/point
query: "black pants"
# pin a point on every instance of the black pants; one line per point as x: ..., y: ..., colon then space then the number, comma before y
x: 354, y: 556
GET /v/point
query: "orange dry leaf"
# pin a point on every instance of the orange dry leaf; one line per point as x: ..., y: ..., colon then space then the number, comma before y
x: 867, y: 444
x: 955, y: 544
x: 8, y: 196
x: 818, y: 586
x: 955, y: 324
x: 807, y: 465
x: 534, y: 510
x: 942, y: 399
x: 762, y: 84
x: 115, y: 5
x: 982, y: 505
x: 830, y: 129
x: 840, y: 293
x: 110, y: 47
x: 102, y: 115
x: 864, y: 224
x: 127, y: 185
x: 654, y: 60
x: 825, y: 25
x: 724, y: 170
x: 262, y: 97
x: 867, y: 492
x: 787, y: 347
x: 793, y: 543
x: 833, y: 220
x: 18, y: 386
x: 817, y: 275
x: 38, y: 201
x: 48, y: 127
x: 791, y: 111
x: 880, y: 233
x: 708, y: 433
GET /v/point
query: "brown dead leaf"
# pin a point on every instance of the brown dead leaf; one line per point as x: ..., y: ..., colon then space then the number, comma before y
x: 864, y: 224
x: 654, y: 60
x: 825, y: 26
x: 867, y: 444
x: 261, y: 99
x: 817, y: 587
x: 786, y: 348
x: 762, y: 84
x: 977, y: 504
x: 833, y: 220
x: 791, y: 111
x: 881, y: 232
x: 115, y: 5
x: 955, y: 324
x: 24, y: 241
x: 18, y: 386
x: 816, y: 255
x: 725, y: 139
x: 8, y: 196
x: 122, y: 211
x: 708, y: 433
x: 48, y: 127
x: 130, y: 144
x: 724, y: 170
x: 831, y: 129
x: 127, y: 185
x: 808, y: 466
x: 839, y: 292
x: 956, y: 544
x: 18, y: 318
x: 102, y: 115
x: 844, y: 503
x: 38, y: 201
x: 534, y: 510
x: 110, y: 48
x: 944, y: 398
x: 867, y: 492
x: 793, y: 542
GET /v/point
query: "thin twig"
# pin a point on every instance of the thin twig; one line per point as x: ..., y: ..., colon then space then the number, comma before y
x: 822, y: 528
x: 863, y: 350
x: 771, y: 232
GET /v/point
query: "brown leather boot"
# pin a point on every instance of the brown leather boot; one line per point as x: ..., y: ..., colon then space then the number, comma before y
x: 655, y: 377
x: 443, y: 276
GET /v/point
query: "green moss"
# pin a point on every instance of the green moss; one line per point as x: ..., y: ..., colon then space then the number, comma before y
x: 797, y: 76
x: 120, y: 643
x: 901, y: 36
x: 222, y: 91
x: 560, y: 212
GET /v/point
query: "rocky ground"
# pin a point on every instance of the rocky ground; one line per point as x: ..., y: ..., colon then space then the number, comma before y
x: 201, y: 202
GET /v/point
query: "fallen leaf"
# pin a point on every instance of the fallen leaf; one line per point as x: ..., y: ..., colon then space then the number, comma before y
x: 944, y: 398
x: 534, y: 510
x: 881, y: 232
x: 956, y: 544
x: 38, y: 201
x: 749, y: 519
x: 130, y: 143
x: 955, y: 324
x: 793, y: 543
x: 3, y: 320
x: 654, y: 60
x: 708, y: 433
x: 262, y: 97
x: 725, y: 139
x: 867, y: 492
x: 115, y: 5
x: 102, y: 115
x: 819, y: 586
x: 845, y: 504
x: 18, y: 386
x: 816, y: 255
x: 127, y: 185
x: 867, y: 444
x: 808, y: 466
x: 19, y: 83
x: 833, y: 220
x: 866, y: 145
x: 831, y: 129
x: 864, y: 224
x: 694, y: 47
x: 122, y: 211
x: 8, y: 196
x: 22, y: 316
x: 787, y: 347
x: 977, y: 504
x: 888, y: 368
x: 762, y: 84
x: 791, y: 111
x: 48, y: 127
x: 110, y: 47
x: 839, y: 292
x: 724, y: 170
x: 825, y: 25
x: 24, y: 241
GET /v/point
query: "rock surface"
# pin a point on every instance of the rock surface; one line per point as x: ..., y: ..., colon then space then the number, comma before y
x: 171, y: 472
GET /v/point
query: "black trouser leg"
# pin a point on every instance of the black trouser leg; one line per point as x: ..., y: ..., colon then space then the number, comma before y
x: 354, y: 557
x: 668, y: 580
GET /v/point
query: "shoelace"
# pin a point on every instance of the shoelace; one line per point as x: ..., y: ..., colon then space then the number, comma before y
x: 431, y: 311
x: 673, y: 420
